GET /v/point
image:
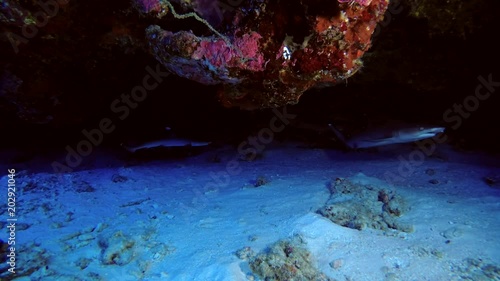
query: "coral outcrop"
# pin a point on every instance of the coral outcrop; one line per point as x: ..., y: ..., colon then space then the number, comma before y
x: 287, y: 260
x: 268, y: 53
x: 360, y: 206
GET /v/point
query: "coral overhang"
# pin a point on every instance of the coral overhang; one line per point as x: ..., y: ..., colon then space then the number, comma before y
x: 270, y: 52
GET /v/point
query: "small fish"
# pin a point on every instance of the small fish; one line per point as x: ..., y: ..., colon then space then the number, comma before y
x: 386, y: 136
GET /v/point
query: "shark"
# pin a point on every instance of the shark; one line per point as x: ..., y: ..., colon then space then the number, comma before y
x: 388, y: 135
x: 169, y: 142
x: 166, y: 143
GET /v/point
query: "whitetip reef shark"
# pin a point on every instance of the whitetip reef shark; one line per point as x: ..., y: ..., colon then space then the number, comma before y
x: 170, y: 142
x: 388, y: 135
x: 166, y: 143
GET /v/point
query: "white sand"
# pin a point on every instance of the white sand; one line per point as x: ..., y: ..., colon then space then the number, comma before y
x: 182, y: 228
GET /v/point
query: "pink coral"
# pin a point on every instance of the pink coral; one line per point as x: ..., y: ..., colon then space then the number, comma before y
x: 360, y: 2
x: 244, y: 54
x: 249, y: 44
x: 249, y: 48
x: 216, y: 52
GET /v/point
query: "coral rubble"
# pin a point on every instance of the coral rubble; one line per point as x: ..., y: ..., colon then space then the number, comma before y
x: 268, y: 53
x: 117, y: 249
x: 360, y: 206
x: 287, y: 260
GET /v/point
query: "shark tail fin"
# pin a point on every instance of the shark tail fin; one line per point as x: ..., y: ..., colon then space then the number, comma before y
x: 339, y: 135
x: 128, y: 148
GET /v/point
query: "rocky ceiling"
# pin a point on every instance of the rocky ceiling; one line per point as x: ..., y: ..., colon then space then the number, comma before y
x: 211, y: 67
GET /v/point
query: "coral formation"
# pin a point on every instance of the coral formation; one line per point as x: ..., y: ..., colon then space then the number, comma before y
x: 492, y: 181
x: 360, y: 206
x: 287, y: 260
x: 260, y: 181
x: 477, y: 269
x: 245, y: 253
x: 269, y: 54
x: 117, y: 249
